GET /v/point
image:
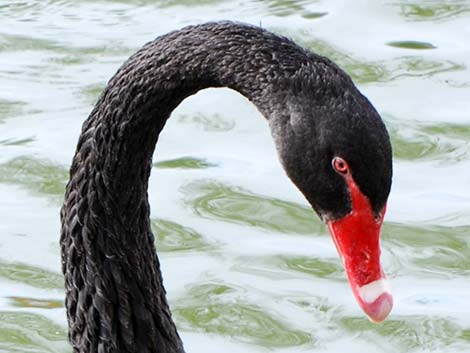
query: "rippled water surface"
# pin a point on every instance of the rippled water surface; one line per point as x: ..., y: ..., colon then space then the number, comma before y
x: 247, y: 265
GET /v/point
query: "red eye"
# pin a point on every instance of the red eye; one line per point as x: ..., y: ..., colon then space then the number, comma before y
x: 340, y: 165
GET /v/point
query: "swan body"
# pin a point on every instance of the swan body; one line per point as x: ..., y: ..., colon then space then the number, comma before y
x: 330, y: 140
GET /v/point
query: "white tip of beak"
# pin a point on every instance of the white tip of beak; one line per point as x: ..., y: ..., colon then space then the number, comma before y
x: 376, y: 299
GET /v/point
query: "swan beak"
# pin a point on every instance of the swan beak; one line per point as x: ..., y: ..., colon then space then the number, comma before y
x: 356, y: 237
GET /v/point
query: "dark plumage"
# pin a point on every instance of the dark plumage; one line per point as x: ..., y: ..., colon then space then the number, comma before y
x: 115, y: 298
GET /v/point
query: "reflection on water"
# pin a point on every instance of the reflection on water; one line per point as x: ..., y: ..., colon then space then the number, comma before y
x: 30, y: 275
x: 411, y: 44
x: 218, y: 201
x: 171, y: 236
x: 40, y: 176
x: 213, y: 123
x: 27, y: 332
x: 432, y: 10
x: 245, y: 259
x: 284, y: 8
x: 9, y: 109
x: 186, y: 163
x: 413, y: 333
x: 432, y: 250
x: 271, y: 266
x: 385, y: 70
x: 24, y: 302
x: 216, y: 309
x: 444, y: 142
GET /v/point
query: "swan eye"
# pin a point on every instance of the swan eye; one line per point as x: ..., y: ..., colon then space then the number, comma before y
x: 340, y: 165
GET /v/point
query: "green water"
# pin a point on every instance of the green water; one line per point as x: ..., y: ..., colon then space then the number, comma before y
x: 247, y: 264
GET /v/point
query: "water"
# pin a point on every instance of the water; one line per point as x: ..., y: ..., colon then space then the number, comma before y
x: 247, y: 265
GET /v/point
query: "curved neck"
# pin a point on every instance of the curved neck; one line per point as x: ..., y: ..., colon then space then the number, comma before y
x: 115, y: 298
x: 152, y: 83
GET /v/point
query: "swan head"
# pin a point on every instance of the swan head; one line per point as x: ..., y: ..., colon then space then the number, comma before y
x: 336, y: 149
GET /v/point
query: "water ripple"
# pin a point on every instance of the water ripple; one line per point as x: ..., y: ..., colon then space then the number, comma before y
x: 22, y: 332
x: 25, y: 302
x: 214, y: 122
x: 429, y: 250
x: 38, y: 175
x: 283, y: 266
x: 214, y: 308
x: 30, y: 275
x: 9, y: 109
x: 432, y: 10
x: 413, y: 333
x: 184, y: 163
x: 230, y: 204
x: 414, y: 140
x: 365, y: 71
x: 171, y: 236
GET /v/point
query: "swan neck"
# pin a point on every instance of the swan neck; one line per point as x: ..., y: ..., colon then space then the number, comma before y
x: 115, y: 297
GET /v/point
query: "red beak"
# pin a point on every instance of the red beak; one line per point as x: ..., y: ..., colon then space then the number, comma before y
x: 356, y: 237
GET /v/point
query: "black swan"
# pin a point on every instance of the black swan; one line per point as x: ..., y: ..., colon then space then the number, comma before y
x: 331, y: 142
